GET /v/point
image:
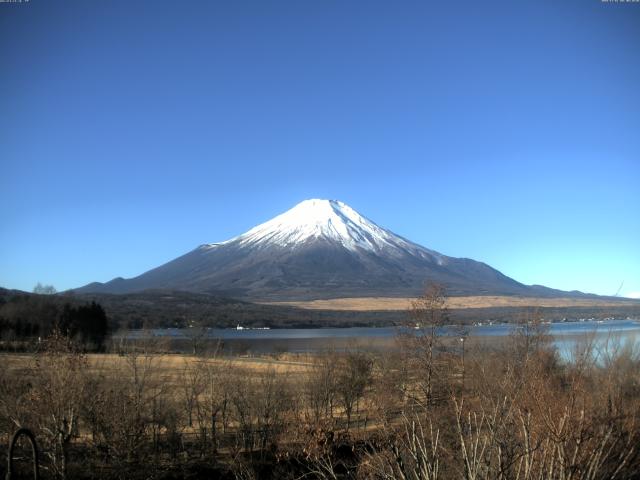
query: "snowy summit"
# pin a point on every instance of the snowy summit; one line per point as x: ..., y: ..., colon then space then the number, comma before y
x: 319, y: 219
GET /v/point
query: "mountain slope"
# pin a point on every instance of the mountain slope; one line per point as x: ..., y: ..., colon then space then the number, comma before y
x: 319, y: 249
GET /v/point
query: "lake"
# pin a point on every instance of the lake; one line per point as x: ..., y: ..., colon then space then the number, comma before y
x: 606, y: 335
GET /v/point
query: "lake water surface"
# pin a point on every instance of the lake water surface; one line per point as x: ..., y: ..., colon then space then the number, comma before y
x: 606, y: 334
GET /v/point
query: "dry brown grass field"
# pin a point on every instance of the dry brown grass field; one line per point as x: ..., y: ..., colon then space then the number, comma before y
x: 171, y: 364
x: 429, y: 408
x: 396, y: 304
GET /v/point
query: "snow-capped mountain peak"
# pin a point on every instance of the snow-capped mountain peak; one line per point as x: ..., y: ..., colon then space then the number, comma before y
x: 317, y: 249
x: 329, y: 220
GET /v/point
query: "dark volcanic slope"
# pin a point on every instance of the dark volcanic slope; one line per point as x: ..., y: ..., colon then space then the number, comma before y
x: 314, y: 270
x: 320, y: 249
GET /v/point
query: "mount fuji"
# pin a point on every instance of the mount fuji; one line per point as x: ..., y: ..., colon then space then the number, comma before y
x: 319, y: 249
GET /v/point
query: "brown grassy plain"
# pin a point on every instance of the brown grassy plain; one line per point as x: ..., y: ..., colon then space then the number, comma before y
x: 354, y: 414
x: 396, y: 304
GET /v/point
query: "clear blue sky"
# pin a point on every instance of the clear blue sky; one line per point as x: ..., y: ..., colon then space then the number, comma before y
x: 507, y: 132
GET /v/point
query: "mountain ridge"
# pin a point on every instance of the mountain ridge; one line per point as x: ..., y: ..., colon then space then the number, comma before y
x: 320, y: 249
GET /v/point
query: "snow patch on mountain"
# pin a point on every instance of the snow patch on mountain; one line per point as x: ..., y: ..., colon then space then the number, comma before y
x: 329, y: 220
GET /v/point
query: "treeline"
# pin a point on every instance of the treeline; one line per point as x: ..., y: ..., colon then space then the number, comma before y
x: 26, y: 318
x: 164, y: 309
x: 176, y: 309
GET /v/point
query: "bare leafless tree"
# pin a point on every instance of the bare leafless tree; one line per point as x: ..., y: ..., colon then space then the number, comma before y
x: 59, y: 384
x: 421, y: 338
x: 192, y: 384
x: 352, y: 378
x: 320, y: 388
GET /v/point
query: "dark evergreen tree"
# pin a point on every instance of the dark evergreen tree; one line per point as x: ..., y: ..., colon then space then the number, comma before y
x: 86, y: 323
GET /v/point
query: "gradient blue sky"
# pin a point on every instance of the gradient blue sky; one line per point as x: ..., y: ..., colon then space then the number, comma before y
x: 507, y: 132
